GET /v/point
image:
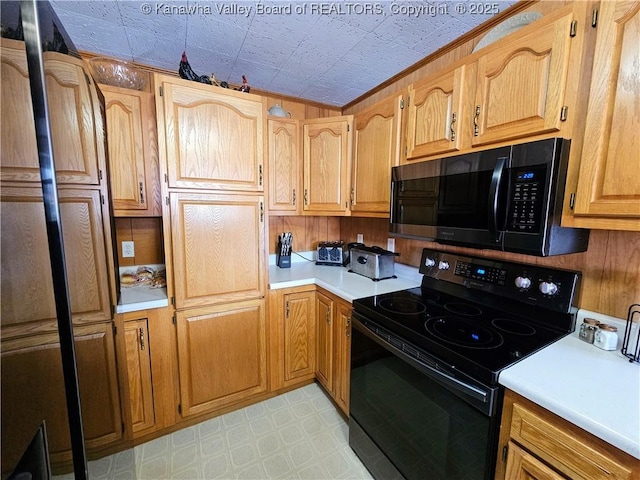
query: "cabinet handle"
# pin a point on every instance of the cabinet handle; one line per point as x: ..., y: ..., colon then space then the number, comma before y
x: 261, y: 212
x: 141, y: 338
x: 328, y: 317
x: 294, y: 196
x: 476, y: 128
x: 348, y: 327
x: 306, y: 197
x: 353, y: 196
x: 260, y: 175
x: 141, y: 193
x: 286, y: 314
x: 453, y: 121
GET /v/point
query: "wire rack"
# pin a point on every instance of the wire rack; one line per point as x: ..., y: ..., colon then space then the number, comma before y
x: 629, y: 351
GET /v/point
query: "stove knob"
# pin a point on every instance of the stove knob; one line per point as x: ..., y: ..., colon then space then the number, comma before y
x: 443, y: 265
x: 523, y: 282
x: 548, y: 288
x: 429, y: 262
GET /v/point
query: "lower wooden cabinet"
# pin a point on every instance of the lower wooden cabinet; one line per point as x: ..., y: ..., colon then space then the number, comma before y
x: 33, y: 390
x: 537, y: 444
x: 136, y: 335
x: 333, y: 317
x: 292, y: 324
x: 221, y: 355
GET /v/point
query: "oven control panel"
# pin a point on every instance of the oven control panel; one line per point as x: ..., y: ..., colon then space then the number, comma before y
x: 532, y: 284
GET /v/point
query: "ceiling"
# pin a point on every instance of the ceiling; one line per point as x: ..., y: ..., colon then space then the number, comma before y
x: 328, y: 52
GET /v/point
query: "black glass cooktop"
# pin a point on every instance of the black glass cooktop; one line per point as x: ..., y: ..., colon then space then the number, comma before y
x: 476, y: 339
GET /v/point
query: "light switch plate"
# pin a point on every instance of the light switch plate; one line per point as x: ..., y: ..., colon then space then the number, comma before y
x: 128, y: 249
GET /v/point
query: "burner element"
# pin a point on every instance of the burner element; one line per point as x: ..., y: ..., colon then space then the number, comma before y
x: 513, y: 326
x: 463, y: 333
x: 463, y: 309
x: 402, y: 306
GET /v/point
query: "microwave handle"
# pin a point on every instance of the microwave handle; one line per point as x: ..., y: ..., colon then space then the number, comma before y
x: 494, y: 191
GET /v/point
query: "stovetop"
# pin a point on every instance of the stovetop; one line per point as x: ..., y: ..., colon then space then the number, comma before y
x: 478, y: 327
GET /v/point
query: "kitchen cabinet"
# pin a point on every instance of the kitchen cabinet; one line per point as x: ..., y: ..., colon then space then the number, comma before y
x: 333, y: 317
x: 437, y: 111
x: 136, y: 337
x: 608, y: 190
x: 285, y: 166
x: 213, y: 137
x: 133, y: 152
x: 376, y: 149
x: 327, y: 144
x: 293, y: 336
x: 521, y: 83
x: 221, y: 355
x: 27, y: 291
x: 34, y: 390
x: 218, y: 248
x: 73, y: 127
x: 537, y: 444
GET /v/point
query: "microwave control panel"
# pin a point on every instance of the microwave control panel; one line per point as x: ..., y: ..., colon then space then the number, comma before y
x: 527, y: 195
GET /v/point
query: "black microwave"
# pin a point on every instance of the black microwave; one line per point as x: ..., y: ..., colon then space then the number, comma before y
x: 508, y: 198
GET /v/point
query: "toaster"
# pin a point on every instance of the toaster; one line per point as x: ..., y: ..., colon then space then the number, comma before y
x: 330, y: 253
x: 373, y: 262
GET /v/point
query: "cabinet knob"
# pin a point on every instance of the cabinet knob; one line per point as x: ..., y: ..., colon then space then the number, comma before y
x: 141, y: 193
x: 476, y: 127
x: 294, y: 196
x: 454, y: 118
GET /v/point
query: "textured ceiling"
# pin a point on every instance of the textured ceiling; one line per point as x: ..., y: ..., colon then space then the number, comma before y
x: 329, y: 52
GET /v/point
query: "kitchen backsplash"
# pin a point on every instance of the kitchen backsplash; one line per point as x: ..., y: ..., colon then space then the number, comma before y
x: 610, y: 267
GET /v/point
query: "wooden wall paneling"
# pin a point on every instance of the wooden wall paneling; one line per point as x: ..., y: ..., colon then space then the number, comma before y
x: 276, y: 227
x: 147, y: 235
x: 374, y: 230
x: 297, y: 226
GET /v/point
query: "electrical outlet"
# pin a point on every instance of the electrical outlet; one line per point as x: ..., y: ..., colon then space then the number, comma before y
x: 360, y: 238
x: 128, y: 249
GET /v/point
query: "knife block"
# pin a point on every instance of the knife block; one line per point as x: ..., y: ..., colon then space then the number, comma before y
x: 283, y: 261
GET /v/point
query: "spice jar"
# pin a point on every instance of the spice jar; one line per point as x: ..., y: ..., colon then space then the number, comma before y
x: 606, y: 337
x: 588, y: 330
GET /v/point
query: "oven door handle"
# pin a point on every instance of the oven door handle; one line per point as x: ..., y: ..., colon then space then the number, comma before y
x: 483, y: 398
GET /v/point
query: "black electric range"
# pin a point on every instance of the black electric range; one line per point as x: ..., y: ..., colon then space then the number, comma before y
x: 475, y: 315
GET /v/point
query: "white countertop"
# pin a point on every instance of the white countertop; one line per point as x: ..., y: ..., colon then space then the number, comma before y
x: 141, y: 297
x: 339, y: 280
x: 597, y: 390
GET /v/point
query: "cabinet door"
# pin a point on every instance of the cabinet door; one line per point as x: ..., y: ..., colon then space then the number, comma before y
x: 343, y: 354
x: 524, y: 466
x: 27, y: 291
x: 608, y: 184
x: 324, y: 335
x: 73, y: 128
x: 221, y: 355
x: 435, y: 115
x: 33, y: 390
x: 299, y: 336
x: 327, y: 160
x: 136, y: 335
x: 521, y: 84
x: 218, y: 248
x: 284, y: 165
x: 133, y: 158
x: 376, y: 149
x: 213, y: 137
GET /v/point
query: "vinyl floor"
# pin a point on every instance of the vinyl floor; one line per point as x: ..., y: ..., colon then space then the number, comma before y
x: 297, y: 435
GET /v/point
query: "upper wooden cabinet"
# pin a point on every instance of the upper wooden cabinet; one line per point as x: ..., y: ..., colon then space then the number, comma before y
x: 222, y: 355
x: 327, y: 163
x: 133, y: 152
x: 521, y: 84
x: 213, y: 137
x: 27, y: 290
x: 285, y: 166
x: 608, y: 190
x: 436, y: 113
x: 218, y: 248
x: 71, y: 108
x: 376, y: 149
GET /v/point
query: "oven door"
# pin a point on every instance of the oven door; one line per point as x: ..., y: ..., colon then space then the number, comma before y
x: 409, y: 419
